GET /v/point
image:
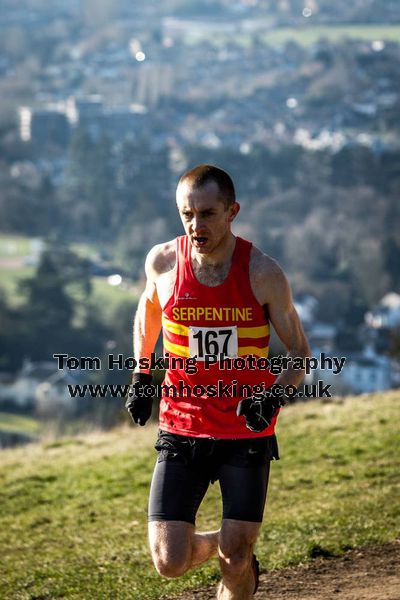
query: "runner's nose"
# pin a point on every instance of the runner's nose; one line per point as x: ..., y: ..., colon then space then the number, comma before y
x: 196, y: 225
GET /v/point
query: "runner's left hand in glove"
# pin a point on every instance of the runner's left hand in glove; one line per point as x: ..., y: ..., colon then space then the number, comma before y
x: 140, y: 402
x: 260, y: 409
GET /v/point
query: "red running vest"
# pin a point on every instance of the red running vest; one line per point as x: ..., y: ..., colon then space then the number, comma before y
x: 198, y: 320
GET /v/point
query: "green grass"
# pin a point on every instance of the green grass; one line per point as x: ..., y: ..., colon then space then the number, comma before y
x: 10, y: 279
x: 311, y: 34
x: 108, y: 297
x: 13, y: 250
x: 73, y: 518
x: 20, y: 246
x: 14, y: 245
x: 17, y: 429
x: 105, y: 297
x: 85, y: 250
x: 18, y: 423
x: 307, y: 35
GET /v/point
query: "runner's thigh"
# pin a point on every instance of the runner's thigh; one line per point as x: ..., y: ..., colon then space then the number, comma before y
x: 176, y: 491
x: 244, y: 491
x: 170, y: 543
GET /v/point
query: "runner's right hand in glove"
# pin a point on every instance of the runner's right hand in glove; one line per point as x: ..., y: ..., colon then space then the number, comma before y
x: 139, y: 403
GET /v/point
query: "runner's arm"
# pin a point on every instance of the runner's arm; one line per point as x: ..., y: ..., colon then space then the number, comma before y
x: 287, y: 325
x: 147, y: 323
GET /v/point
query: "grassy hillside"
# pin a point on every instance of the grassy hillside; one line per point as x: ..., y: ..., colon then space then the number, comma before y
x: 73, y: 517
x: 17, y: 429
x: 307, y: 35
x: 14, y: 253
x: 18, y: 423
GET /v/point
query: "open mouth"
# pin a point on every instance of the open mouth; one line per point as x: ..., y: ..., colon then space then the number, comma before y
x: 200, y: 241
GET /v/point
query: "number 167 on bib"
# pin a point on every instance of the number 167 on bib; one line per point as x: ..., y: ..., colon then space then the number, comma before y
x: 214, y: 341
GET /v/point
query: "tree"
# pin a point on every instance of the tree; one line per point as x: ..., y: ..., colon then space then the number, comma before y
x: 391, y: 254
x: 101, y: 188
x: 10, y: 336
x: 57, y: 316
x: 77, y: 189
x: 48, y: 310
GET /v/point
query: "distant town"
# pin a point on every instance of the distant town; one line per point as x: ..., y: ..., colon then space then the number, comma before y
x: 103, y: 106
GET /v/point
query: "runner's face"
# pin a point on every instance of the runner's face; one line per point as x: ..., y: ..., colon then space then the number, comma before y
x: 206, y: 220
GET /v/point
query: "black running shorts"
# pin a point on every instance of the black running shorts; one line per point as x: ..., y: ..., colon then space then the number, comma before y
x: 186, y: 466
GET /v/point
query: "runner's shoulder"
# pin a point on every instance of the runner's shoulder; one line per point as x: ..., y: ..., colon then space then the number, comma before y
x: 263, y: 265
x: 161, y: 259
x: 266, y: 276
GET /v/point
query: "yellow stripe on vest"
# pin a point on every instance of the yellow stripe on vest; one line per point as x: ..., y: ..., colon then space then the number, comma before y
x: 246, y: 332
x: 253, y: 332
x: 177, y: 349
x: 175, y: 327
x: 262, y: 352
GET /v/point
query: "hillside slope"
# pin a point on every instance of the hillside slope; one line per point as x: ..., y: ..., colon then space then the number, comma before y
x: 73, y: 511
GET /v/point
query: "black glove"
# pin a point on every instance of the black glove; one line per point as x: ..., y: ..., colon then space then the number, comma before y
x: 139, y: 403
x: 260, y: 409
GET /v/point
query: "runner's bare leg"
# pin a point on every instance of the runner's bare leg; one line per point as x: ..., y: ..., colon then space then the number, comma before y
x: 176, y: 547
x: 237, y: 539
x: 205, y: 547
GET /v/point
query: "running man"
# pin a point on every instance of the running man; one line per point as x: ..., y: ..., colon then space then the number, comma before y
x: 214, y: 294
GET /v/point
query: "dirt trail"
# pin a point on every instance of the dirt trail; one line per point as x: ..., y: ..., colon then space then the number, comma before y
x: 369, y: 573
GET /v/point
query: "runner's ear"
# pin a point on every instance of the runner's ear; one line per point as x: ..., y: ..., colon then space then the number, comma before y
x: 233, y: 209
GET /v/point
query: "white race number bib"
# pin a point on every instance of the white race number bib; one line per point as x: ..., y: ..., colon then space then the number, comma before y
x: 213, y: 340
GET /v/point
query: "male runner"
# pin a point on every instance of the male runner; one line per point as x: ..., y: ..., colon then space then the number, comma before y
x: 213, y: 294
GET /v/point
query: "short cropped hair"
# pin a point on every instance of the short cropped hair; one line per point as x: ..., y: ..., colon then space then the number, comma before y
x: 202, y: 174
